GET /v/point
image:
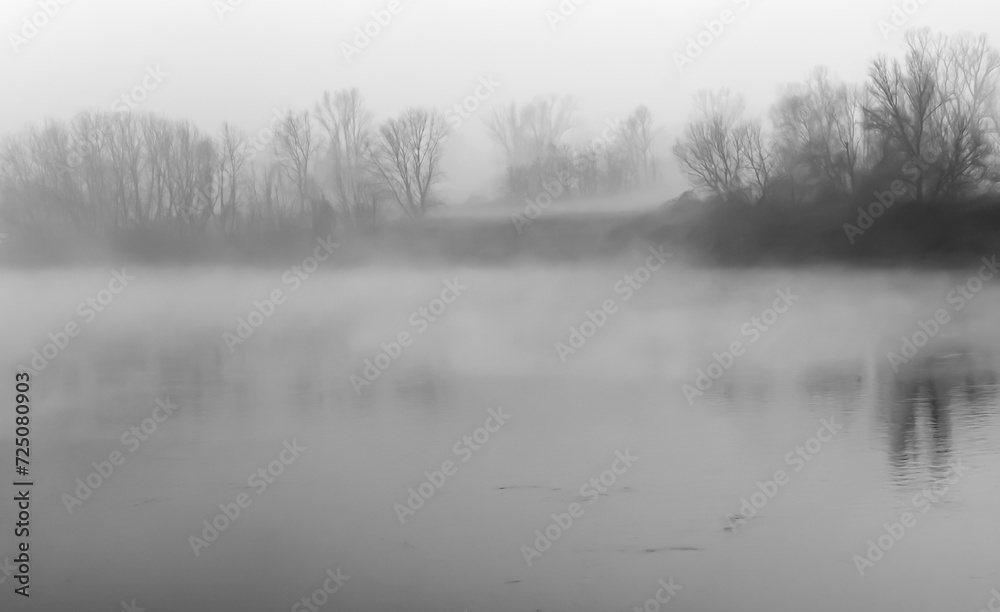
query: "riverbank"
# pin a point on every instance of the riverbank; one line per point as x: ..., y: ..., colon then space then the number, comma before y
x: 700, y: 233
x: 905, y: 235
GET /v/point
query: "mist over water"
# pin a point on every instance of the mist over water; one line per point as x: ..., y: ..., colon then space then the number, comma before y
x: 482, y: 306
x: 494, y: 345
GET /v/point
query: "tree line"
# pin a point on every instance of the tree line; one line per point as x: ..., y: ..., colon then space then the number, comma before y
x: 932, y: 113
x: 531, y: 137
x: 328, y: 166
x: 105, y: 170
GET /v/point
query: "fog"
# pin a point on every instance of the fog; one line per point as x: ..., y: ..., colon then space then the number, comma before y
x: 492, y: 306
x: 669, y: 516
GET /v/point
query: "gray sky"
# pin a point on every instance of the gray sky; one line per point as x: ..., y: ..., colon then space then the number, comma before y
x: 243, y: 63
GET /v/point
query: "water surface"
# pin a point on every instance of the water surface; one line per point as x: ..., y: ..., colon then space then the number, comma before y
x: 671, y: 515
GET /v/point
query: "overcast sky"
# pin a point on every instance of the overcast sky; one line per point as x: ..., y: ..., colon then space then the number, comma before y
x: 243, y: 62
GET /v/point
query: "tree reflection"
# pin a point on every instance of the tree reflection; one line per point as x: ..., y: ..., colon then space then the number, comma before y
x: 926, y: 393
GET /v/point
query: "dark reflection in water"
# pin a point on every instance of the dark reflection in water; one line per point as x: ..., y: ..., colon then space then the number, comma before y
x: 918, y: 407
x: 925, y: 396
x: 926, y: 387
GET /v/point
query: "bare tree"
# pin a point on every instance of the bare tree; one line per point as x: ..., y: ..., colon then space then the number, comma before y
x: 759, y: 159
x: 349, y: 142
x: 262, y: 196
x: 234, y: 155
x: 711, y: 152
x: 937, y: 110
x: 545, y: 121
x: 526, y: 133
x: 505, y: 127
x: 965, y: 129
x: 637, y: 135
x: 819, y: 135
x: 23, y: 190
x: 406, y: 156
x: 158, y: 135
x: 903, y: 99
x: 294, y: 146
